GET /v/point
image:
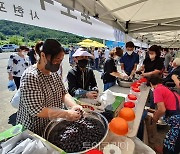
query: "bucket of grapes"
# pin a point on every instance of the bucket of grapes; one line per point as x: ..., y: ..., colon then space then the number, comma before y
x: 78, y: 136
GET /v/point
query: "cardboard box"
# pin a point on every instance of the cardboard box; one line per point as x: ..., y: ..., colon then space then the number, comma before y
x: 116, y: 106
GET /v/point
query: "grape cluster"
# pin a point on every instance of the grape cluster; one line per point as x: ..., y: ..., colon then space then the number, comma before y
x: 78, y: 135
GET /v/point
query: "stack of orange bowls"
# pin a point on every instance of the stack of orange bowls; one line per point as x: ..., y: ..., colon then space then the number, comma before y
x: 127, y: 114
x: 118, y: 126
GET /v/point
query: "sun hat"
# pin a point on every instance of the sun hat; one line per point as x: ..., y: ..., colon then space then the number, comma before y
x: 81, y: 52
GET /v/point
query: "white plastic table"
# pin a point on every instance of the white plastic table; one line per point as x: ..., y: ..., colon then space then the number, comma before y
x: 120, y: 91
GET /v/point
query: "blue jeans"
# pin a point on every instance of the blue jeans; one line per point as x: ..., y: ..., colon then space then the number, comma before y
x: 109, y: 85
x: 97, y: 63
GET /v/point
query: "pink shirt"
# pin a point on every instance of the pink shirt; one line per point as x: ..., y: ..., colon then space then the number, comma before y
x: 163, y: 94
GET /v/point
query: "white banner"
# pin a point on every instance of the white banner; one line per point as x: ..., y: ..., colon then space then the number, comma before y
x: 52, y: 14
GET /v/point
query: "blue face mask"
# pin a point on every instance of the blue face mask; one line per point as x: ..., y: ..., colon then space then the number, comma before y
x: 52, y: 67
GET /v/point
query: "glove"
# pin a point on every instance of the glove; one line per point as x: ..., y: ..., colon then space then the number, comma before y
x: 125, y: 76
x: 72, y: 114
x: 11, y: 85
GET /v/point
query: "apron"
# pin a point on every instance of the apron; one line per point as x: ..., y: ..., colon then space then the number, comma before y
x: 172, y: 118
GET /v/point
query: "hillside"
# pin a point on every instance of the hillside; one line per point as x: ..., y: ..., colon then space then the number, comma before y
x: 17, y: 33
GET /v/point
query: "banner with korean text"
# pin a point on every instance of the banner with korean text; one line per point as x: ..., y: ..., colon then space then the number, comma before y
x: 54, y: 15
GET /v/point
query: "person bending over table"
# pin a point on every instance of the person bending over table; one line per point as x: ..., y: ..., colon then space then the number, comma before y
x: 168, y: 104
x: 42, y: 92
x: 110, y: 69
x: 130, y: 60
x: 81, y: 79
x: 152, y: 65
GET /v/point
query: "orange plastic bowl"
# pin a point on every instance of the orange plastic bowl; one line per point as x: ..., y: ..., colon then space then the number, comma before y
x: 127, y: 114
x: 118, y: 126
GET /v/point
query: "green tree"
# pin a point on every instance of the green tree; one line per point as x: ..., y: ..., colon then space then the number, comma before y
x: 2, y: 36
x: 15, y: 40
x: 10, y: 29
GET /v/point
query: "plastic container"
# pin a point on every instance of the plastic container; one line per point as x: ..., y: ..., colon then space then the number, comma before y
x: 131, y: 105
x: 128, y: 115
x: 135, y: 91
x: 131, y: 98
x: 135, y: 85
x: 118, y: 126
x: 143, y: 80
x: 94, y: 151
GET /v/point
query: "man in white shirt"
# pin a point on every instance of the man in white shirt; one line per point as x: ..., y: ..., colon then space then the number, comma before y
x: 96, y: 57
x: 106, y: 54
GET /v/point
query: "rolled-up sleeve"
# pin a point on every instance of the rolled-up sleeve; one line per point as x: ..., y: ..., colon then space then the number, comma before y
x: 32, y: 97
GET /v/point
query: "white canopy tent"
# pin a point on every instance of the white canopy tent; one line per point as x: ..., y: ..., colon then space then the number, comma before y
x: 152, y: 21
x: 149, y: 21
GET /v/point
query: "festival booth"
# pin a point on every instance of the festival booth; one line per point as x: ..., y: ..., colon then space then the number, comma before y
x: 119, y: 109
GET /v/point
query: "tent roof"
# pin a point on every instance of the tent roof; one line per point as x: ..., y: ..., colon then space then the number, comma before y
x: 136, y: 17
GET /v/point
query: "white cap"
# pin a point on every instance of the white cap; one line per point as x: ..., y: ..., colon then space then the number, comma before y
x: 82, y: 52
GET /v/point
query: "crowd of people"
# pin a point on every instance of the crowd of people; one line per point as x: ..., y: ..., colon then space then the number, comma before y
x: 43, y: 95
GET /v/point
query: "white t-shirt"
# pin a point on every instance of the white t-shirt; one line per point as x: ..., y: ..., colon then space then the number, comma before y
x: 17, y: 65
x: 106, y: 56
x: 96, y: 54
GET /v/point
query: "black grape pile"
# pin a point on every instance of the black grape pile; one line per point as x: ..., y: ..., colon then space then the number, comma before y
x: 78, y: 135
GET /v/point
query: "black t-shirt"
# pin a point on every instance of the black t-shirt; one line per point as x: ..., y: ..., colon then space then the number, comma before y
x: 109, y: 67
x: 31, y: 54
x: 150, y: 66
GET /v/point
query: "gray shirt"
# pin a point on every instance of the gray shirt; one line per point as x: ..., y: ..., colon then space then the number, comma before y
x: 167, y: 60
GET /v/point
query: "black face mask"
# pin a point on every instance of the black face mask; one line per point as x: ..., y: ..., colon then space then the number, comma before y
x: 82, y: 63
x: 52, y: 67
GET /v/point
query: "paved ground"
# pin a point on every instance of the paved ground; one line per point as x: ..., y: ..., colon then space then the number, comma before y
x: 6, y: 110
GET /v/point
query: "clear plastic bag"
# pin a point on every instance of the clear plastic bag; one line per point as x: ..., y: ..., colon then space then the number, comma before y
x: 16, y: 99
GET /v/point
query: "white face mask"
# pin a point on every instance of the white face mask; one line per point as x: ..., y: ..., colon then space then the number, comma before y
x: 37, y: 57
x: 116, y: 58
x: 129, y: 52
x: 24, y: 53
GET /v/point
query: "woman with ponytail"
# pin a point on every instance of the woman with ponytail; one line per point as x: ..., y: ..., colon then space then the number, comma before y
x: 42, y: 92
